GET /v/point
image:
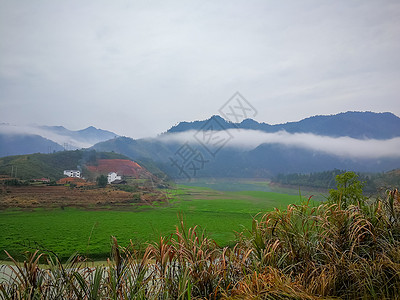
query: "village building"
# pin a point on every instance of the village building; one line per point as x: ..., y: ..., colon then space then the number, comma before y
x: 113, y: 176
x: 72, y: 173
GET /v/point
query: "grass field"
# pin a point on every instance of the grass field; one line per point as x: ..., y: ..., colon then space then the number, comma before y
x: 88, y: 232
x: 246, y: 184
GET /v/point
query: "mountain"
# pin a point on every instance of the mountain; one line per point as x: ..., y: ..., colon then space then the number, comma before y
x: 90, y: 135
x: 264, y: 161
x: 140, y: 148
x: 359, y: 141
x: 11, y: 144
x: 360, y: 125
x: 15, y: 140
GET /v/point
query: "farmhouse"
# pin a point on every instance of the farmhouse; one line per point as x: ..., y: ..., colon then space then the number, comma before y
x: 113, y: 176
x: 72, y: 173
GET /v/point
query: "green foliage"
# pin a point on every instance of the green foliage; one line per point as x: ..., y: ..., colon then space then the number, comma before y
x: 323, y: 180
x: 15, y: 182
x: 101, y: 181
x: 127, y: 188
x: 349, y: 191
x: 373, y: 182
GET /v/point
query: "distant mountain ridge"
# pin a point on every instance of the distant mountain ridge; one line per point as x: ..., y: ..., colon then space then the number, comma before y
x: 16, y: 140
x: 269, y: 154
x: 264, y: 161
x: 26, y: 144
x: 359, y: 125
x: 276, y: 156
x: 91, y: 135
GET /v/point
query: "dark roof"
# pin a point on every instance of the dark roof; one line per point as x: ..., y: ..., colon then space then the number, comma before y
x: 117, y: 181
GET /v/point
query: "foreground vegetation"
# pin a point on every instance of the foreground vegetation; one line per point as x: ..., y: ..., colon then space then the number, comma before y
x: 346, y: 248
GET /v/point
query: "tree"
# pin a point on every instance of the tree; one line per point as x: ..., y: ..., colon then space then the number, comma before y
x: 348, y: 192
x: 102, y: 181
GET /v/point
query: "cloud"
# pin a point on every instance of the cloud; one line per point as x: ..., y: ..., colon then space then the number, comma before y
x: 339, y: 146
x: 8, y: 129
x: 246, y: 140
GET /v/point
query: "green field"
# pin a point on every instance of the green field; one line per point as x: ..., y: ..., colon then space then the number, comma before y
x: 88, y: 232
x: 246, y: 184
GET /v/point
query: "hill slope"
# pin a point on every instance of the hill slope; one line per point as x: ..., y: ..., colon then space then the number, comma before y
x: 123, y: 167
x: 26, y: 144
x: 51, y: 165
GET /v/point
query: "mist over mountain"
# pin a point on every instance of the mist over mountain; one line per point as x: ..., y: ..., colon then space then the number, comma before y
x: 26, y: 144
x: 266, y: 160
x: 16, y: 139
x: 79, y: 138
x: 359, y: 141
x: 360, y: 125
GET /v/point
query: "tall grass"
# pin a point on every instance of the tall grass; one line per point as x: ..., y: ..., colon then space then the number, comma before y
x: 331, y: 251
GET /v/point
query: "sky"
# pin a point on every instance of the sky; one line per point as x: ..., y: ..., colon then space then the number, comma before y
x: 139, y: 67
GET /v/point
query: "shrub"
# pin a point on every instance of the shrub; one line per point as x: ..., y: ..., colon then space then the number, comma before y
x: 102, y: 181
x: 348, y: 192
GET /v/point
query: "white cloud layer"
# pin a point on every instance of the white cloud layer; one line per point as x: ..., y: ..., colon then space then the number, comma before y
x: 58, y: 138
x: 247, y: 140
x: 339, y: 146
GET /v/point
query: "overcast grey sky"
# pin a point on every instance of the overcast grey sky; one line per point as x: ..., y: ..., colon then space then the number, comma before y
x: 139, y: 67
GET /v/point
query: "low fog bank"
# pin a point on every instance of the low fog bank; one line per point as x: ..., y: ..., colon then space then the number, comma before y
x: 72, y: 144
x: 250, y: 139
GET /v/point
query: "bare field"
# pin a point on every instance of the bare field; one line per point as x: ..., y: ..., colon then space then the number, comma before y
x: 29, y: 197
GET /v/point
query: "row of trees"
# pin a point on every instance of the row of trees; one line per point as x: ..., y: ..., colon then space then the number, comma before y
x: 372, y: 182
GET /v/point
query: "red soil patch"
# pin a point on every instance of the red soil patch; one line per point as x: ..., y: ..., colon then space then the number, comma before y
x: 123, y: 167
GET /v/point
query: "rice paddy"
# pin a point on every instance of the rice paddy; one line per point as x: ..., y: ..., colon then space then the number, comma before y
x: 88, y: 232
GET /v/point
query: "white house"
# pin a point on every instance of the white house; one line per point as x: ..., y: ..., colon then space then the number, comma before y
x: 113, y: 176
x: 72, y: 173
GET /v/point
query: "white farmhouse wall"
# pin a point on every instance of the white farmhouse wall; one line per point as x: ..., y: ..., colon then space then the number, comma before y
x: 72, y: 173
x: 113, y: 176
